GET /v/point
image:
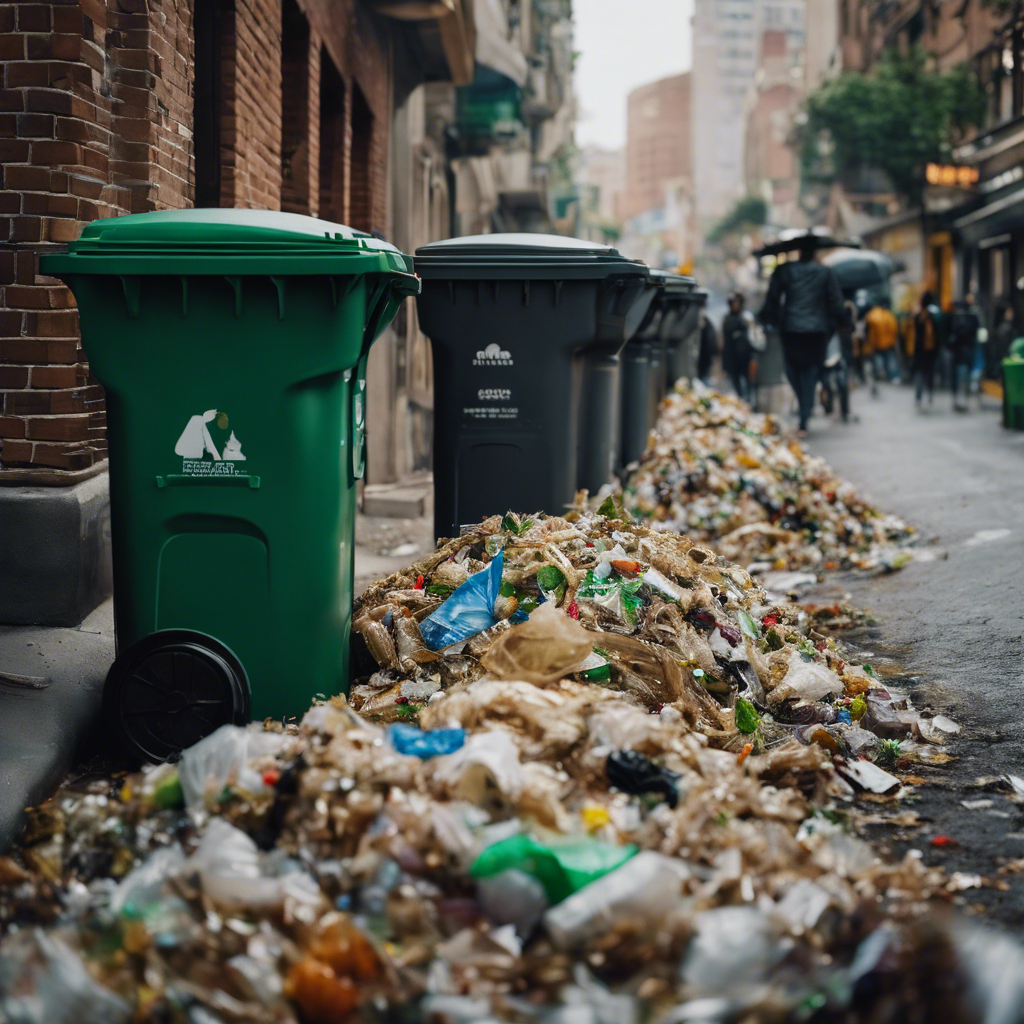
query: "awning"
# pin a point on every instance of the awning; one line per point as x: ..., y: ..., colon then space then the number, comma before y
x: 1003, y: 215
x: 494, y: 50
x: 447, y: 33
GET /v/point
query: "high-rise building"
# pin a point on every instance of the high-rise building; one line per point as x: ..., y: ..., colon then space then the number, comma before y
x: 658, y: 142
x: 727, y: 37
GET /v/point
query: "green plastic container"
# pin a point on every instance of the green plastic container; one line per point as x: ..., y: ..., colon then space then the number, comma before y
x: 1013, y: 394
x: 233, y: 347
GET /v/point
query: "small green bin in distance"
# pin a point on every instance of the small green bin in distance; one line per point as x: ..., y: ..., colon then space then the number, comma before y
x: 232, y: 345
x: 512, y: 319
x: 1013, y: 394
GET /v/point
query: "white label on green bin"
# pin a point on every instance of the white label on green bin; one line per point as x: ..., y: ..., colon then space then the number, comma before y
x: 493, y: 355
x: 200, y: 454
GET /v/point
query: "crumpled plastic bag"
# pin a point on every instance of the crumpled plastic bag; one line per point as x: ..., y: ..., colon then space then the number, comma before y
x: 547, y: 647
x: 43, y: 981
x: 485, y: 771
x: 230, y: 868
x: 804, y: 680
x: 222, y: 759
x: 468, y: 611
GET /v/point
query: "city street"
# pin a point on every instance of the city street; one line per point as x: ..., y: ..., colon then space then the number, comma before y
x: 952, y: 619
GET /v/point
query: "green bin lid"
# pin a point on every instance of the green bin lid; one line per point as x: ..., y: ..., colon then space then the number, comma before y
x: 552, y: 255
x: 224, y: 241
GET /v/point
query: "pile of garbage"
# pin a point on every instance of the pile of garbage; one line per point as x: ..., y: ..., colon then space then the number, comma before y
x: 723, y: 474
x: 589, y: 773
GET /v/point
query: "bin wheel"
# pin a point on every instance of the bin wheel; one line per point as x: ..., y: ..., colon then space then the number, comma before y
x: 171, y: 689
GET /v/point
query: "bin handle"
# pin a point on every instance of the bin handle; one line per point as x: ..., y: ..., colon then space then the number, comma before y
x: 357, y: 419
x: 386, y: 297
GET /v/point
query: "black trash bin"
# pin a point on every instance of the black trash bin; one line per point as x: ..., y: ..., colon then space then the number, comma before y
x: 604, y: 412
x: 683, y: 335
x: 641, y: 370
x: 512, y: 318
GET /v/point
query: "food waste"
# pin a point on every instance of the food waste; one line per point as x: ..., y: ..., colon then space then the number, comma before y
x: 724, y: 475
x: 588, y: 772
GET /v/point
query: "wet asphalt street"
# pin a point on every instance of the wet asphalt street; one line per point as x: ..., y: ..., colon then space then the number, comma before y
x: 952, y: 623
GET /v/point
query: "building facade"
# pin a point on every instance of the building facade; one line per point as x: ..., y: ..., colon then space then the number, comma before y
x: 111, y: 108
x: 727, y: 38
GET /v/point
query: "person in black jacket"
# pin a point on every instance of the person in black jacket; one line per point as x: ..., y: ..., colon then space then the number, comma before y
x: 805, y: 303
x: 737, y: 351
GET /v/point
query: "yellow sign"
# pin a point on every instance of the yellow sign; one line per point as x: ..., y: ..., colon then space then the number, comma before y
x: 950, y: 174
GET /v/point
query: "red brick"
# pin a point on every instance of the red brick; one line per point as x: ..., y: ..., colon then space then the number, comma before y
x: 63, y: 456
x: 13, y: 376
x: 23, y: 177
x: 54, y: 376
x: 7, y: 19
x: 58, y: 428
x: 12, y: 47
x: 34, y: 17
x: 32, y: 297
x: 56, y: 153
x: 49, y: 101
x: 26, y: 229
x: 14, y: 151
x: 63, y: 230
x: 68, y: 19
x: 35, y: 126
x: 16, y: 451
x: 11, y: 426
x: 21, y: 74
x: 52, y: 324
x: 10, y: 324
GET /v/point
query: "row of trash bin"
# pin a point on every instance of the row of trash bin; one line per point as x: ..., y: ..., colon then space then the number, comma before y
x: 233, y: 348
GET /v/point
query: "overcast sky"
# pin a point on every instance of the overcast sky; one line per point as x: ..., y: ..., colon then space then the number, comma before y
x: 623, y: 44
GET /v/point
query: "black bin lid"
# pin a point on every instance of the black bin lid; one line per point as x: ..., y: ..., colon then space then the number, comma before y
x: 518, y: 254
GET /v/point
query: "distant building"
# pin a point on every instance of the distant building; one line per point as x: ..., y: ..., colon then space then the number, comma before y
x: 726, y: 57
x: 601, y: 180
x: 658, y: 142
x: 771, y: 164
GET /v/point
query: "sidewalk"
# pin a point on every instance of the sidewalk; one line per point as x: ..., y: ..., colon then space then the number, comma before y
x: 51, y: 678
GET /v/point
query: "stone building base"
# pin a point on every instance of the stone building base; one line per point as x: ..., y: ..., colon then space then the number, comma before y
x: 54, y: 552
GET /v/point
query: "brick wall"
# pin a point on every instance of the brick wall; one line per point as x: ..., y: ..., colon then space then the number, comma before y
x: 96, y: 121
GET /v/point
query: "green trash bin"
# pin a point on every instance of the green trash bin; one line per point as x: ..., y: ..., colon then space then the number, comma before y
x: 1013, y: 394
x: 233, y: 347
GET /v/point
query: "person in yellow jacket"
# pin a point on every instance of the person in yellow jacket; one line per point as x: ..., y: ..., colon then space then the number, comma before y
x: 881, y: 336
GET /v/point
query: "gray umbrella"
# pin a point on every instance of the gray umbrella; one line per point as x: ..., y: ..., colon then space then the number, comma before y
x: 860, y: 268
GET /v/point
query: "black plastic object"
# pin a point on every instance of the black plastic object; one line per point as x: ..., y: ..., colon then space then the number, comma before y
x: 681, y: 330
x: 171, y: 689
x: 513, y: 319
x: 637, y: 774
x: 642, y: 360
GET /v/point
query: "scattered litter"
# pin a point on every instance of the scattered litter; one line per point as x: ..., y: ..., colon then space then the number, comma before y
x: 722, y: 474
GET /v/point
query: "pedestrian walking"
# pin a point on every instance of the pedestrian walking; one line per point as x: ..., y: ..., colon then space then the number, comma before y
x: 927, y: 342
x: 881, y: 331
x: 708, y: 350
x: 737, y: 347
x: 964, y: 327
x: 805, y: 303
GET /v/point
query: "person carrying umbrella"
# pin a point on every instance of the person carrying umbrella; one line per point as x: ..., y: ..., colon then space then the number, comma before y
x: 805, y: 303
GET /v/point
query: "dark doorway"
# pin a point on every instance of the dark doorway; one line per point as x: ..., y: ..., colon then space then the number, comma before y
x: 361, y: 182
x: 210, y: 21
x: 294, y: 109
x: 332, y: 140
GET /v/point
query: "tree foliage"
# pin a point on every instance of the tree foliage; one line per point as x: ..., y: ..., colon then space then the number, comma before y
x: 749, y: 212
x: 897, y: 119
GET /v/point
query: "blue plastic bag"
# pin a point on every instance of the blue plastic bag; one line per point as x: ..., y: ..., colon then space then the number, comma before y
x: 409, y: 740
x: 469, y: 610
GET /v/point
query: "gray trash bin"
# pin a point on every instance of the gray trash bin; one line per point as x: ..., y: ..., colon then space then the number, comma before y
x: 512, y: 319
